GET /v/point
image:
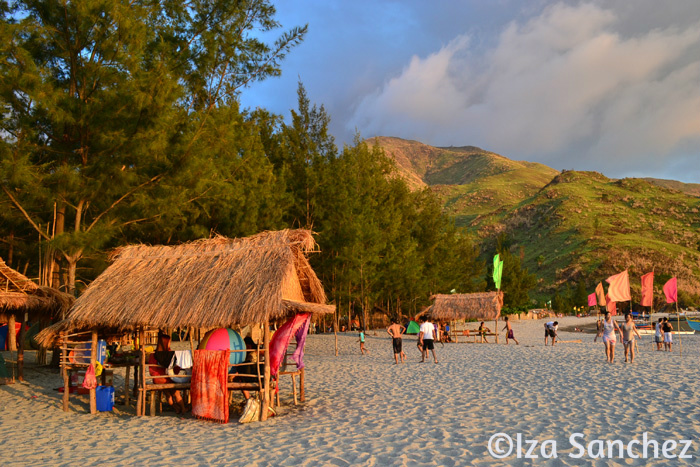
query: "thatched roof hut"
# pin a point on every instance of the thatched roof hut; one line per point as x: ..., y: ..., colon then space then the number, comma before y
x: 218, y: 282
x: 455, y: 307
x: 19, y: 294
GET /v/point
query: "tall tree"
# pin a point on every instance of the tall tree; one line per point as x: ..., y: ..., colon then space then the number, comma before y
x: 106, y: 100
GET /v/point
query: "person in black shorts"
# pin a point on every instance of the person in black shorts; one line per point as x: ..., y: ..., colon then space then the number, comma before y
x: 396, y: 331
x: 426, y: 336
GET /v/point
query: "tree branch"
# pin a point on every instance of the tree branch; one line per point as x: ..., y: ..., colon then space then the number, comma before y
x: 26, y: 215
x: 126, y: 195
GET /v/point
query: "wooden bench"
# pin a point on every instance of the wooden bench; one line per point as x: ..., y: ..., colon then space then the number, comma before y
x: 469, y: 333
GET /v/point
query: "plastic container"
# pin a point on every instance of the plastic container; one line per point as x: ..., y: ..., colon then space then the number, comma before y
x: 105, y: 398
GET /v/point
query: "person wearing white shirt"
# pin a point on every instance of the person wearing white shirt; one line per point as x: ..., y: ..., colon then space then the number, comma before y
x: 426, y: 338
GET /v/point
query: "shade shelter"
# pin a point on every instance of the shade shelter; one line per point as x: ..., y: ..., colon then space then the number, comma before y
x: 22, y: 300
x: 470, y: 306
x: 212, y: 283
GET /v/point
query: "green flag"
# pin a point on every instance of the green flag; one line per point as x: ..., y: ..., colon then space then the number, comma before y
x: 497, y: 271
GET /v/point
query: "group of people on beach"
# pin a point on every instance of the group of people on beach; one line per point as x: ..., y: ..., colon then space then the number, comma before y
x: 427, y: 335
x: 608, y: 327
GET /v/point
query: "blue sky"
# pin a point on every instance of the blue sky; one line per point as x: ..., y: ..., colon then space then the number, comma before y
x: 611, y: 86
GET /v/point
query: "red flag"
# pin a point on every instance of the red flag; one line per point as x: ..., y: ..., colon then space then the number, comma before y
x: 610, y: 305
x: 671, y: 290
x: 591, y: 299
x: 619, y: 290
x: 648, y: 289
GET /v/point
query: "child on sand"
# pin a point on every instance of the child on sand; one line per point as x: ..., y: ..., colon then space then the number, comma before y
x: 628, y: 331
x: 483, y: 330
x: 509, y: 332
x: 361, y: 340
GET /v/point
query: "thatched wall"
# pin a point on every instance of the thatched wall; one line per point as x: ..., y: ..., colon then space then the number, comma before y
x: 483, y: 305
x: 19, y: 294
x: 207, y: 283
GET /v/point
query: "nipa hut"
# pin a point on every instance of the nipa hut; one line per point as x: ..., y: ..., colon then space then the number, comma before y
x: 21, y: 301
x: 471, y: 306
x: 212, y: 283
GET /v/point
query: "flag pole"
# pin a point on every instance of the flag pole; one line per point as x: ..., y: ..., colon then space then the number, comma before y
x: 678, y: 319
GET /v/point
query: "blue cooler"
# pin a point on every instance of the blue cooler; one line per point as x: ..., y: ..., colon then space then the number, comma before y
x: 105, y: 398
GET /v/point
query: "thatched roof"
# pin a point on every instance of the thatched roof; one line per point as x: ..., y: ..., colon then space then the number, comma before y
x: 215, y: 282
x: 483, y: 305
x: 19, y: 294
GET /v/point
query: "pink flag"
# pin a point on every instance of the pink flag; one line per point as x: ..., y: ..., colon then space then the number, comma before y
x: 648, y: 289
x: 671, y: 290
x: 619, y: 290
x: 610, y: 305
x: 591, y: 299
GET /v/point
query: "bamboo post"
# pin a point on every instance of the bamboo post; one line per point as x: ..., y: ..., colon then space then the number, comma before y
x: 266, y: 382
x: 64, y: 370
x: 191, y: 330
x: 496, y: 330
x: 20, y: 348
x: 141, y: 397
x: 93, y: 357
x: 126, y: 385
x: 302, y: 396
x: 678, y: 319
x: 294, y: 388
x: 11, y: 336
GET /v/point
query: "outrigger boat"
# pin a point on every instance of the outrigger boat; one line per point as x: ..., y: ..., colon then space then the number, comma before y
x: 693, y: 323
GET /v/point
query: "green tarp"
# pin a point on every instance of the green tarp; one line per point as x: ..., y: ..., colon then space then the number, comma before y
x: 412, y: 328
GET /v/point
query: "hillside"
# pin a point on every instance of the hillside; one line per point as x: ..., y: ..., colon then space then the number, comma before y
x: 688, y: 188
x: 570, y: 226
x: 584, y: 226
x: 470, y: 181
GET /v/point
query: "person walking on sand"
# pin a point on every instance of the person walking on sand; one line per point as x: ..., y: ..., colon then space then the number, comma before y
x: 550, y: 330
x: 609, y: 336
x: 509, y: 332
x: 659, y: 334
x: 667, y: 327
x: 628, y: 331
x: 361, y: 340
x: 396, y: 331
x: 426, y: 338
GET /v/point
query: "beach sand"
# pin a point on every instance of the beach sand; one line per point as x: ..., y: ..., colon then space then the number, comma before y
x: 364, y: 410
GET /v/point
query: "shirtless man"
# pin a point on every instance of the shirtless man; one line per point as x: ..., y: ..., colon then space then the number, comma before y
x: 509, y: 332
x: 395, y: 331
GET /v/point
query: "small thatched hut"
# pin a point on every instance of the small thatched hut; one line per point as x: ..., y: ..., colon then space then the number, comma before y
x: 21, y: 300
x: 458, y: 307
x: 218, y: 282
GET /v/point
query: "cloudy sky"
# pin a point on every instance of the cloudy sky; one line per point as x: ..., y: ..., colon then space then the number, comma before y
x: 605, y: 85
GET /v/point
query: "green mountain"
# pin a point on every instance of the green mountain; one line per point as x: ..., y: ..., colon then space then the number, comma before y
x: 470, y: 181
x: 568, y: 227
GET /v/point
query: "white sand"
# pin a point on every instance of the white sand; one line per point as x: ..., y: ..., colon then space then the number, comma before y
x: 368, y: 411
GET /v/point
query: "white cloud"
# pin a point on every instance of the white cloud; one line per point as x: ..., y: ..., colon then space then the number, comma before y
x: 565, y: 84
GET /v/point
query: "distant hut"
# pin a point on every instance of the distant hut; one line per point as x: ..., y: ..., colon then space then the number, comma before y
x: 212, y: 283
x: 470, y: 306
x: 21, y: 300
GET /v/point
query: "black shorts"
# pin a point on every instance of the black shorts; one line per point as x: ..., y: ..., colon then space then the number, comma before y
x: 428, y: 344
x: 396, y: 342
x: 549, y: 333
